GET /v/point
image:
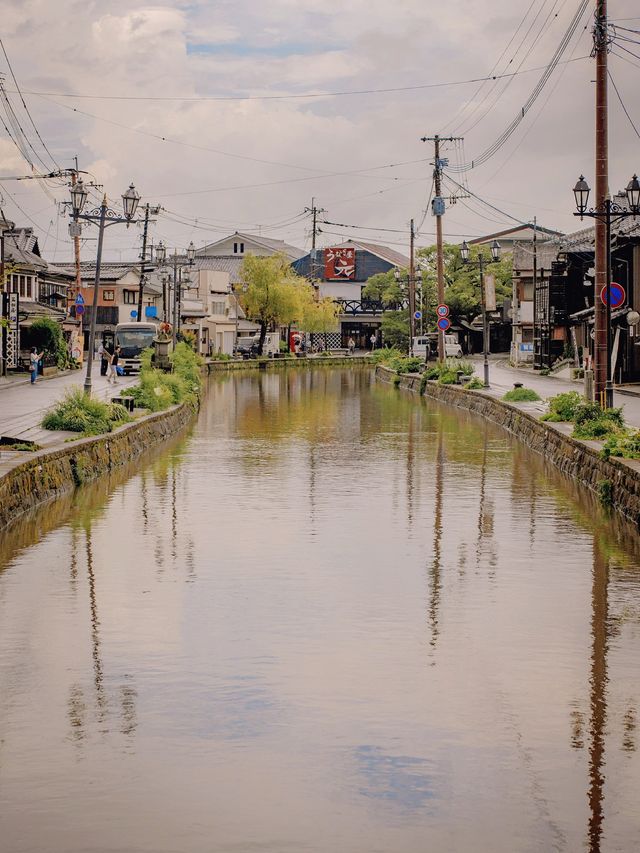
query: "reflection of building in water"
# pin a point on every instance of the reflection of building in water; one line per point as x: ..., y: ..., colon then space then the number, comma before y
x: 598, y: 693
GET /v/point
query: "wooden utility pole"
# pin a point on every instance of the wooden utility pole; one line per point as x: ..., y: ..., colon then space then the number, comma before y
x: 601, y: 332
x: 314, y: 211
x: 412, y: 288
x: 535, y: 293
x: 148, y: 211
x: 438, y: 210
x: 76, y: 240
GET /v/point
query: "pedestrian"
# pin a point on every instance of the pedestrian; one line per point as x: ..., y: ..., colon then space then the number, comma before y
x: 372, y: 340
x: 34, y: 363
x: 113, y: 366
x: 351, y: 345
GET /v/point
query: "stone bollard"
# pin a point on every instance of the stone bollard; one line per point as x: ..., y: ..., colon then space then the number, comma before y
x: 588, y: 385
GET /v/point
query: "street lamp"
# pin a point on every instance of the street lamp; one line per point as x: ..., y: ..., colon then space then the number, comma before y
x: 101, y: 216
x: 161, y: 257
x: 411, y: 281
x: 495, y: 249
x: 609, y: 213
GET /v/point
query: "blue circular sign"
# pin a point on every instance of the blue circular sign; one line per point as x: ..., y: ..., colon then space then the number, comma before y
x: 133, y: 314
x: 444, y: 323
x: 617, y: 295
x: 417, y: 315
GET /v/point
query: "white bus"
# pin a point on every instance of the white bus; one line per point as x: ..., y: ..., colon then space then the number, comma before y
x: 132, y: 338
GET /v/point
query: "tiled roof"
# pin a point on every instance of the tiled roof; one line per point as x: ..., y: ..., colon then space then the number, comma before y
x: 267, y: 242
x: 384, y: 252
x: 221, y: 263
x: 21, y: 247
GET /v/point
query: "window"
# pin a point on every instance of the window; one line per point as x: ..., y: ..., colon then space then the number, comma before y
x: 238, y: 248
x: 130, y: 297
x: 108, y: 295
x: 218, y: 307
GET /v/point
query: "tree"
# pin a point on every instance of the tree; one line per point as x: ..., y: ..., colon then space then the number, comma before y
x: 274, y: 295
x: 383, y: 287
x: 321, y: 317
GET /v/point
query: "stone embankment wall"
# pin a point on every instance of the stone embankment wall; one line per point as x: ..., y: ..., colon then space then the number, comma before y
x: 278, y: 363
x: 48, y: 473
x: 616, y: 481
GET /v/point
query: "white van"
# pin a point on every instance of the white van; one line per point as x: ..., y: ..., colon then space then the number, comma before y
x: 248, y: 345
x: 429, y: 343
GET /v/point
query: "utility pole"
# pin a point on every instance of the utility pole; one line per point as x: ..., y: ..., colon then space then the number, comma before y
x: 314, y: 211
x: 148, y: 209
x: 76, y: 238
x: 535, y: 293
x: 438, y: 207
x: 412, y: 289
x: 601, y: 331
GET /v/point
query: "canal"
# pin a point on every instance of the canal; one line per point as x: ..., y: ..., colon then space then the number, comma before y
x: 333, y: 618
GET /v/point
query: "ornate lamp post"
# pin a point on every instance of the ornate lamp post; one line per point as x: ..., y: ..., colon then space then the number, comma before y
x: 609, y: 213
x: 161, y: 256
x: 411, y: 281
x: 102, y: 216
x: 495, y: 256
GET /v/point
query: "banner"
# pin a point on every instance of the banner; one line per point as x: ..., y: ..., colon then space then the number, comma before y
x: 339, y: 264
x: 490, y: 292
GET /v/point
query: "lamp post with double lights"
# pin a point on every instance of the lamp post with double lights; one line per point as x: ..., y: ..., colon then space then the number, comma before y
x: 495, y: 256
x: 609, y: 212
x: 161, y: 257
x: 102, y: 216
x: 411, y: 281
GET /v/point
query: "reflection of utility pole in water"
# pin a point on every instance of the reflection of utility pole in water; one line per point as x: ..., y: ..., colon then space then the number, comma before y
x: 410, y: 461
x: 598, y: 692
x: 98, y: 673
x: 436, y: 563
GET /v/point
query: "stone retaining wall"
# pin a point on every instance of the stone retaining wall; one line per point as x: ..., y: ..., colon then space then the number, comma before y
x: 276, y: 363
x: 48, y: 473
x: 578, y: 459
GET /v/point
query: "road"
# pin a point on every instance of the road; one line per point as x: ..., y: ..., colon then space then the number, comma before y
x: 502, y: 377
x: 22, y: 405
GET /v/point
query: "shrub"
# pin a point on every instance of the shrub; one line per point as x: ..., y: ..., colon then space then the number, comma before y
x: 563, y: 407
x: 521, y: 395
x: 77, y: 412
x: 385, y: 354
x: 46, y: 334
x: 447, y: 377
x: 626, y: 445
x: 158, y: 390
x: 475, y: 383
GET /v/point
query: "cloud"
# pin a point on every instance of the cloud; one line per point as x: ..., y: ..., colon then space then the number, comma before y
x: 245, y: 47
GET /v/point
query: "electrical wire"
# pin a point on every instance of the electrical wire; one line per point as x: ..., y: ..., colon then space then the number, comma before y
x: 511, y: 128
x: 622, y: 104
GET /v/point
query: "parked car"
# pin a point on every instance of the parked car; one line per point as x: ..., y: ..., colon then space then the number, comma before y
x: 248, y: 346
x: 429, y: 343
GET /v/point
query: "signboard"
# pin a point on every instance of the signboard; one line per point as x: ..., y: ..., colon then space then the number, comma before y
x: 617, y: 295
x: 444, y: 324
x: 490, y: 291
x: 417, y: 315
x: 526, y: 347
x: 442, y: 310
x: 79, y: 310
x: 340, y: 264
x: 10, y: 308
x: 79, y: 299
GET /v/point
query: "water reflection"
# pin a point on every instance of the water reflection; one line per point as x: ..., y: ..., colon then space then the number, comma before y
x: 225, y: 649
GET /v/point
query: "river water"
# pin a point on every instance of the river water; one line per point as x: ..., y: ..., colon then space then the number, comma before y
x: 333, y: 618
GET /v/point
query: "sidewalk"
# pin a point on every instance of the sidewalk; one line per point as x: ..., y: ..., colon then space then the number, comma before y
x: 22, y: 406
x: 502, y: 377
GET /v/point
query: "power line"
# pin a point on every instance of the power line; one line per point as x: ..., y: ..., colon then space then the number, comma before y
x: 13, y: 76
x: 622, y: 104
x: 306, y: 95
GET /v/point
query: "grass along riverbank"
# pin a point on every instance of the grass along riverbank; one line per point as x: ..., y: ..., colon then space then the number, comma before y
x: 156, y: 392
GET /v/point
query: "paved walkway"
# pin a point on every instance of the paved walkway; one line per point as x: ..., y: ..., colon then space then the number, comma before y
x: 22, y: 405
x: 502, y: 377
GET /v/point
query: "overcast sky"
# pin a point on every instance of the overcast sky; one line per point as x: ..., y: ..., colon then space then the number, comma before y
x: 167, y: 55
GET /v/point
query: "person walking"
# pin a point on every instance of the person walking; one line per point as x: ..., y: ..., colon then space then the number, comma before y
x: 113, y: 366
x: 351, y: 344
x: 372, y: 340
x: 34, y: 364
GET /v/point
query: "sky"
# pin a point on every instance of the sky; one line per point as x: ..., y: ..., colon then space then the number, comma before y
x: 225, y: 113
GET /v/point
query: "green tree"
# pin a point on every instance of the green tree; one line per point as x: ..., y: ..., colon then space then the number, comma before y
x: 274, y: 295
x: 46, y: 334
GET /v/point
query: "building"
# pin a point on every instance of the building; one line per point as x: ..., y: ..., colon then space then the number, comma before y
x: 239, y: 244
x: 510, y: 237
x: 522, y: 303
x: 341, y: 272
x: 118, y: 295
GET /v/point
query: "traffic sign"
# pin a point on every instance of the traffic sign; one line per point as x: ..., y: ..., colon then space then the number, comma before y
x: 442, y: 310
x: 79, y: 309
x: 133, y: 314
x: 617, y: 295
x: 79, y: 299
x: 417, y: 315
x: 444, y: 323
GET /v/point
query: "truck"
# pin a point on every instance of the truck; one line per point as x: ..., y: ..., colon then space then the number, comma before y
x: 132, y: 338
x: 423, y: 344
x: 247, y: 346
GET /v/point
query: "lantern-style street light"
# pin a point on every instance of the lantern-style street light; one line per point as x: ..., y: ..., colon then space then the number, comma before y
x: 102, y: 216
x: 609, y: 212
x: 161, y: 257
x: 495, y: 250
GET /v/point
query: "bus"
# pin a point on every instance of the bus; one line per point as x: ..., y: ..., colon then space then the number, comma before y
x: 132, y: 338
